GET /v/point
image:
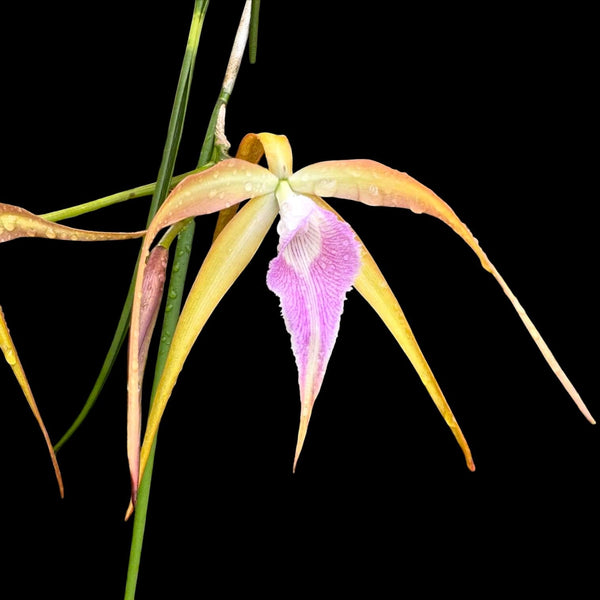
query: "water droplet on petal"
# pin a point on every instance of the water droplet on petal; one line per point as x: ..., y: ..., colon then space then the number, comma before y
x: 325, y: 187
x: 8, y: 221
x: 11, y: 357
x: 50, y: 233
x: 248, y: 187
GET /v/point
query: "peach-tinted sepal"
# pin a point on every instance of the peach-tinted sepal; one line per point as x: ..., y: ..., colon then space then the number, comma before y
x: 152, y: 291
x: 375, y: 184
x: 227, y: 258
x: 16, y: 222
x: 12, y: 358
x: 221, y: 186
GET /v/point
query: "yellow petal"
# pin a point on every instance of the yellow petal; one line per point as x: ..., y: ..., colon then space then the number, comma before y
x: 377, y: 185
x: 16, y: 222
x: 251, y: 150
x: 276, y: 148
x: 371, y: 284
x: 227, y: 183
x: 10, y: 354
x: 226, y: 259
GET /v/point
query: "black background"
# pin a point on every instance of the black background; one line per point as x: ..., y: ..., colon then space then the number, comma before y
x: 491, y: 108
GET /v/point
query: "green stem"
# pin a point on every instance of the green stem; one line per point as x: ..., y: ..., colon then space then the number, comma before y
x: 136, y: 192
x: 177, y: 281
x: 177, y: 274
x: 173, y: 232
x: 107, y: 365
x: 253, y: 40
x: 176, y: 287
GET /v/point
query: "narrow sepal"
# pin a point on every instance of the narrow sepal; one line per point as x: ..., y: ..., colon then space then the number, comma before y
x: 371, y: 284
x: 221, y: 186
x: 377, y: 185
x: 152, y: 291
x: 12, y: 358
x: 227, y: 258
x: 16, y: 222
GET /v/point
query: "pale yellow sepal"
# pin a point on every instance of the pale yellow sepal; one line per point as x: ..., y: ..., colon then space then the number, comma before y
x: 227, y: 258
x: 12, y: 358
x: 371, y: 284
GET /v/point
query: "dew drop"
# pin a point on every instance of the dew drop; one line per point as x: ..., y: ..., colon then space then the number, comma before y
x: 373, y: 190
x: 173, y: 294
x: 50, y: 233
x: 248, y: 187
x: 11, y: 357
x: 8, y: 221
x: 325, y: 187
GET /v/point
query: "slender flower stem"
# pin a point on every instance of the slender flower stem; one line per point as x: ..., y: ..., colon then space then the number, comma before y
x: 136, y: 192
x: 178, y: 274
x: 253, y: 42
x: 173, y: 233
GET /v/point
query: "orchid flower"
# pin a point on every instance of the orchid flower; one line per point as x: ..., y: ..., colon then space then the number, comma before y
x: 320, y: 258
x: 16, y: 222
